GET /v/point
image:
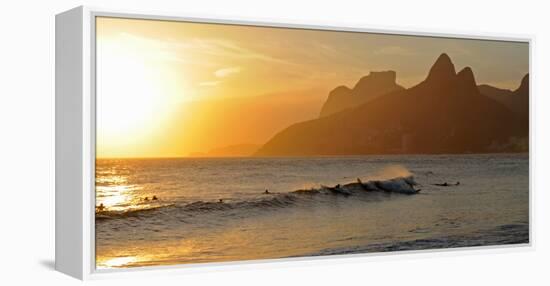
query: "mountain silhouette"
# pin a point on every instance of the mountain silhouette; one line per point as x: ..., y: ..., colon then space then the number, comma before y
x: 445, y: 113
x: 366, y: 89
x: 517, y: 100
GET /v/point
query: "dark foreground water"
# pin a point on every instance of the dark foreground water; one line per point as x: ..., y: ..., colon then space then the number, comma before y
x: 212, y: 210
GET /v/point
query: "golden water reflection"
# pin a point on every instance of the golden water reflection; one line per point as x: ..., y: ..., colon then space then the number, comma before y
x: 116, y: 262
x: 146, y: 254
x: 115, y: 193
x: 117, y: 197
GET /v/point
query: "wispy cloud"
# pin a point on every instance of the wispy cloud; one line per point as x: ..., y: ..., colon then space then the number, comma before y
x: 227, y: 71
x: 458, y: 50
x: 229, y: 49
x: 174, y: 50
x: 210, y: 83
x: 150, y: 48
x: 394, y: 51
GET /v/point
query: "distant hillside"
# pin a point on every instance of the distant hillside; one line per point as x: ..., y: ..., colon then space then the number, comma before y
x: 517, y: 100
x: 240, y: 150
x: 367, y: 88
x: 445, y: 113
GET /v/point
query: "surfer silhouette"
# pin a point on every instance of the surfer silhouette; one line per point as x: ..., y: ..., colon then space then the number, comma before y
x: 447, y: 184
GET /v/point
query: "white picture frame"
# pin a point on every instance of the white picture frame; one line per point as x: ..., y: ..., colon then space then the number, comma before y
x: 75, y: 139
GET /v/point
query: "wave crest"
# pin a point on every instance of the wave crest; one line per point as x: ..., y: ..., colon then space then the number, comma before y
x: 399, y: 185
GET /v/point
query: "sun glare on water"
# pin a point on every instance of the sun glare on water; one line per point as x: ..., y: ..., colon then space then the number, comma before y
x: 114, y: 200
x: 117, y: 262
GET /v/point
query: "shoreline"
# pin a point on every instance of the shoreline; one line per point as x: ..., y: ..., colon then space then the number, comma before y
x: 506, y: 234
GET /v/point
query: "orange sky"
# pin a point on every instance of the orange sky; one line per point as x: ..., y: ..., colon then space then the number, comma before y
x: 167, y: 89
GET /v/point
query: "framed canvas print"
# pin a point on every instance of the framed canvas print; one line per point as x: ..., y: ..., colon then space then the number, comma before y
x: 184, y: 141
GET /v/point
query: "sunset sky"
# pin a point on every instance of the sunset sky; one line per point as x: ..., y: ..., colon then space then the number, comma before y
x: 168, y: 89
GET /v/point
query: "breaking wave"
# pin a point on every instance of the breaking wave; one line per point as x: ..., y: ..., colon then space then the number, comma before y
x: 398, y: 185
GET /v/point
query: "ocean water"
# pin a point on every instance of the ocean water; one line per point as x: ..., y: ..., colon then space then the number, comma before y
x: 174, y: 211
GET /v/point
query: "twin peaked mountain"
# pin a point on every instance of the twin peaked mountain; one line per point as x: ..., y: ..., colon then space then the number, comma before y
x: 445, y: 113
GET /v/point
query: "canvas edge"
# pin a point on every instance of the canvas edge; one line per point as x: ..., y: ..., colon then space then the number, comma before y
x: 88, y: 94
x: 325, y: 25
x: 88, y: 147
x: 74, y: 144
x: 69, y: 240
x: 532, y: 144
